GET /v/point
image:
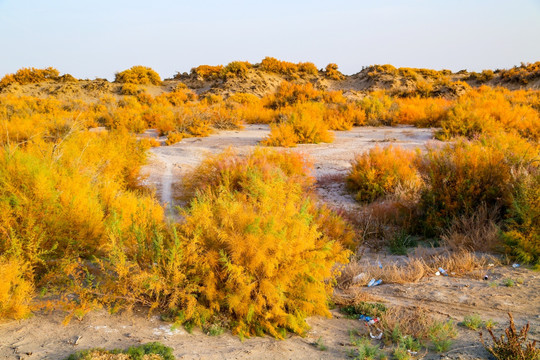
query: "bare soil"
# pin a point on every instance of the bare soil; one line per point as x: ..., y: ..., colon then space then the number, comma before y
x: 44, y: 337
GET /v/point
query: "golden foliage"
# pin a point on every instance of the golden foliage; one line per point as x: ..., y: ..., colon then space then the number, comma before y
x: 270, y: 64
x: 138, y: 74
x: 332, y: 72
x: 380, y: 171
x: 29, y: 76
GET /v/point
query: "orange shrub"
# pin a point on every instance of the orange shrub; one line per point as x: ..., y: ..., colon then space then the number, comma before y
x: 29, y: 76
x: 303, y: 125
x: 273, y: 65
x: 236, y: 69
x: 332, y: 72
x: 380, y: 171
x: 208, y: 72
x: 141, y: 75
x: 421, y: 112
x: 487, y: 110
x: 290, y: 94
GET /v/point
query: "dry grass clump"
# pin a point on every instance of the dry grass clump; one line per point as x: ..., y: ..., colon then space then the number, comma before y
x: 138, y: 74
x: 477, y: 232
x: 413, y: 268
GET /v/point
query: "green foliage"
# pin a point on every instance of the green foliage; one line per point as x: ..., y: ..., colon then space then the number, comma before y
x: 441, y: 335
x: 400, y: 242
x: 320, y: 344
x: 364, y: 308
x: 473, y: 322
x: 141, y: 352
x: 364, y: 350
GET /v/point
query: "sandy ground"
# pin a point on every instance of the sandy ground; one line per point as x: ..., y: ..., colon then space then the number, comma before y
x: 167, y: 163
x: 44, y: 337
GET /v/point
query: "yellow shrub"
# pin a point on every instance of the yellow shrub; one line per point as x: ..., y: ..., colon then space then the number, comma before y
x: 29, y: 76
x: 236, y: 69
x: 130, y: 89
x: 487, y: 110
x: 273, y: 65
x: 421, y: 112
x: 333, y: 73
x: 173, y: 138
x: 307, y: 124
x: 16, y: 291
x: 208, y: 72
x: 141, y: 75
x: 380, y: 171
x: 290, y: 94
x: 266, y: 261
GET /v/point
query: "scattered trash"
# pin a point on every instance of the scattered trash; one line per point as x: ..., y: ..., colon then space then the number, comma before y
x: 486, y: 277
x: 358, y: 278
x: 412, y: 352
x: 380, y: 265
x: 372, y: 282
x: 515, y: 266
x: 490, y: 265
x: 371, y: 323
x: 442, y: 271
x: 368, y: 319
x: 437, y: 274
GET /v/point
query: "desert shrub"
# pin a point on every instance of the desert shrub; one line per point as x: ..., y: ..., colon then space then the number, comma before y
x: 303, y: 126
x: 289, y: 94
x: 460, y: 177
x: 258, y: 210
x: 379, y: 108
x: 29, y: 76
x: 421, y: 112
x: 488, y: 111
x: 514, y: 346
x: 16, y: 287
x: 130, y: 89
x: 270, y: 64
x: 236, y: 69
x: 149, y: 142
x: 138, y: 74
x: 227, y: 165
x: 332, y: 72
x: 482, y: 77
x: 522, y: 74
x: 379, y: 171
x: 173, y: 138
x: 208, y: 72
x: 521, y: 233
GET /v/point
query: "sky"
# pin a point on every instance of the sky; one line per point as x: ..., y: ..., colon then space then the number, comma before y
x: 98, y: 38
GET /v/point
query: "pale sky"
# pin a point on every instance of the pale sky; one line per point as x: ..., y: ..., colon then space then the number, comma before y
x: 97, y: 38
